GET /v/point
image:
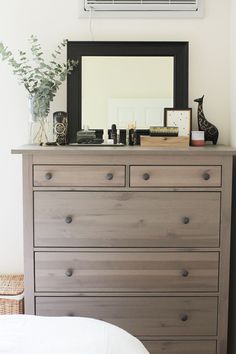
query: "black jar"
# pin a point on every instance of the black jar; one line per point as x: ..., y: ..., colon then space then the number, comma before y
x: 60, y: 127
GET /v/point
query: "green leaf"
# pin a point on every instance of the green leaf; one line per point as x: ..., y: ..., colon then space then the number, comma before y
x: 41, y: 80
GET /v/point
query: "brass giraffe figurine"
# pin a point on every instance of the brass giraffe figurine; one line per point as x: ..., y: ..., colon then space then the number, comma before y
x: 211, y: 132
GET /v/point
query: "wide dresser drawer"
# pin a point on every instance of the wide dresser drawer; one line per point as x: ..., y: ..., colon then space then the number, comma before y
x: 175, y: 176
x: 141, y: 316
x: 126, y: 271
x: 126, y: 219
x: 79, y: 176
x: 180, y: 347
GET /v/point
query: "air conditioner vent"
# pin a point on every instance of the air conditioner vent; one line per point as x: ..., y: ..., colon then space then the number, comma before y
x: 152, y: 8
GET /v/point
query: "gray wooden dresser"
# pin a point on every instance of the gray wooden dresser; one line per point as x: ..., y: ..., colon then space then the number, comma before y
x: 138, y: 237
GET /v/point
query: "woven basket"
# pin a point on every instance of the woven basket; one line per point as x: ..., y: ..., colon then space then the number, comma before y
x: 11, y: 294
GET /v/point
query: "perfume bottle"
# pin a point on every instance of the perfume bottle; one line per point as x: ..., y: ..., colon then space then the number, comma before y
x: 114, y: 133
x: 132, y: 133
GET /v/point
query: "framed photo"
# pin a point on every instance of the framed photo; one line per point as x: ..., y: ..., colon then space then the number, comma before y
x: 180, y: 118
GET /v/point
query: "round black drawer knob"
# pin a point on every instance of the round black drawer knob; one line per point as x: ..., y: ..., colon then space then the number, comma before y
x: 184, y: 273
x: 68, y: 219
x: 146, y: 176
x: 69, y: 273
x: 70, y: 314
x: 48, y: 176
x: 206, y: 176
x: 185, y: 220
x: 109, y: 176
x: 184, y: 317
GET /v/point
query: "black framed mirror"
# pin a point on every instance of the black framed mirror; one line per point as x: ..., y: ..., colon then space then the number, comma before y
x: 103, y: 61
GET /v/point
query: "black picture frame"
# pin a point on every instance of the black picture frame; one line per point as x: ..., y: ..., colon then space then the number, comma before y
x: 77, y: 49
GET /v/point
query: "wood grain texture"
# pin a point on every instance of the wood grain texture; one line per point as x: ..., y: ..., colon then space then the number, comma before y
x: 175, y: 176
x: 180, y: 347
x: 132, y: 157
x: 140, y: 316
x: 211, y: 150
x: 28, y: 235
x: 171, y: 142
x: 130, y: 241
x: 84, y: 176
x: 225, y: 255
x: 126, y: 272
x: 122, y: 294
x: 127, y: 219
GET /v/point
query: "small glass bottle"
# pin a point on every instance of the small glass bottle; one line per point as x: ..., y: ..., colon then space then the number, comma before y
x: 132, y: 133
x: 118, y: 136
x: 105, y: 136
x: 127, y: 136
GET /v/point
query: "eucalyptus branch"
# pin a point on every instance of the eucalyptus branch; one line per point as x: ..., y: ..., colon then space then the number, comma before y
x: 41, y: 79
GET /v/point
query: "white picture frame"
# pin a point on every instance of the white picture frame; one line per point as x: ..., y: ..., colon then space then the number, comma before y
x: 180, y: 118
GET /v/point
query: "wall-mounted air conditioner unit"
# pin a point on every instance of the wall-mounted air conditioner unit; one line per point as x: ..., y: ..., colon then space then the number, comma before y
x: 141, y: 8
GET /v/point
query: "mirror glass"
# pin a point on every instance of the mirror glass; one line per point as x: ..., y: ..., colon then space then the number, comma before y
x: 125, y: 90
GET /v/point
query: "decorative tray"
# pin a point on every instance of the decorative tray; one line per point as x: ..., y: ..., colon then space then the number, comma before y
x: 100, y: 145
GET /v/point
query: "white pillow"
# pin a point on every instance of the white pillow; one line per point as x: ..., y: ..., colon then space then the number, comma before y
x: 23, y: 334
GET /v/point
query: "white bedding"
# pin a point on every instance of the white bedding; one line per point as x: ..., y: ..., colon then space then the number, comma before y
x: 64, y: 335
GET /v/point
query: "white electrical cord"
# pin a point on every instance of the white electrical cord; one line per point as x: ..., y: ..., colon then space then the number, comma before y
x: 91, y: 23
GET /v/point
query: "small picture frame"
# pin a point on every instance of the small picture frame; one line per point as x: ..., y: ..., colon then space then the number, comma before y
x: 180, y: 118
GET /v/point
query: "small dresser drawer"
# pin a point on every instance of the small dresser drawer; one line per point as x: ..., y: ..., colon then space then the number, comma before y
x: 141, y: 316
x: 126, y: 271
x: 175, y: 176
x: 126, y: 219
x: 180, y: 347
x: 79, y: 176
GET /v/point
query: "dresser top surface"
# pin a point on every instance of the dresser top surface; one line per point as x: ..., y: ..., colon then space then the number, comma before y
x: 124, y: 150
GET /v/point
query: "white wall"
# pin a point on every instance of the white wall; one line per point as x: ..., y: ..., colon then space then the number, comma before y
x: 53, y: 20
